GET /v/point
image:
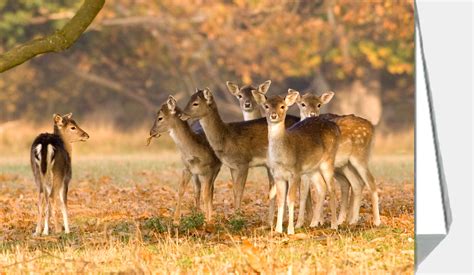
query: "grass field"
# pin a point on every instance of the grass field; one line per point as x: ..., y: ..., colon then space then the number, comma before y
x: 120, y: 208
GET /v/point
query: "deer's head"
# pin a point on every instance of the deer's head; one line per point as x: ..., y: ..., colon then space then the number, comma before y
x: 199, y: 105
x: 247, y: 102
x: 166, y: 117
x: 68, y: 129
x: 276, y: 107
x: 310, y: 104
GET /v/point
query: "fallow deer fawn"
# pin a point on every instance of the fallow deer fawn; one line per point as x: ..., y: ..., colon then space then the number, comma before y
x: 351, y: 158
x: 200, y: 162
x: 252, y: 110
x: 249, y: 107
x: 307, y: 148
x: 51, y: 164
x: 239, y: 145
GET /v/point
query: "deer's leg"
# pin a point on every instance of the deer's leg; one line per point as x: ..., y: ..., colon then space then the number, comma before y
x: 39, y: 222
x: 309, y: 202
x: 304, y: 191
x: 320, y: 187
x: 54, y: 206
x: 271, y: 208
x: 46, y: 213
x: 63, y: 204
x: 345, y: 188
x: 280, y: 197
x: 327, y: 171
x: 239, y: 177
x: 362, y: 168
x: 207, y: 182
x: 197, y: 191
x: 293, y: 185
x: 185, y: 177
x: 356, y: 194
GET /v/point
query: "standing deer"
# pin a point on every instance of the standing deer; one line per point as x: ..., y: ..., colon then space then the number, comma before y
x: 51, y: 164
x: 200, y: 162
x: 239, y: 145
x: 252, y: 110
x: 351, y: 158
x: 307, y: 148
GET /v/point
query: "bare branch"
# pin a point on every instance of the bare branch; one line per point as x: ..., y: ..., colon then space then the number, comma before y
x: 58, y: 41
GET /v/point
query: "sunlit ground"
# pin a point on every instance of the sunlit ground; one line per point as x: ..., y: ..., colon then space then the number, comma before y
x: 120, y: 209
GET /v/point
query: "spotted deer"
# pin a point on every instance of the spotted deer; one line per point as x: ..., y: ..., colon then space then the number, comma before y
x: 51, y: 164
x: 200, y: 163
x: 306, y: 148
x: 239, y: 145
x: 352, y: 157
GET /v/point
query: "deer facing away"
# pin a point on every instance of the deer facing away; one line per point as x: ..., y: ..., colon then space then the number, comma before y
x: 51, y: 164
x: 351, y: 158
x: 200, y: 163
x: 239, y: 145
x: 307, y: 148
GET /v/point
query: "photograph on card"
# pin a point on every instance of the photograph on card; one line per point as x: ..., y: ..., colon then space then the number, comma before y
x: 220, y: 136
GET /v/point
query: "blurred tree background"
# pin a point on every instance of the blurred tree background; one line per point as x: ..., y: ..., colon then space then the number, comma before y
x: 136, y: 52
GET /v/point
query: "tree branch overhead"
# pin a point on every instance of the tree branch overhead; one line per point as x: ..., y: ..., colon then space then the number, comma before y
x: 58, y: 41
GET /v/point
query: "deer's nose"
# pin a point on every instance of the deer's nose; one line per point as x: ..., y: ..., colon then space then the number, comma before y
x: 85, y: 135
x: 312, y: 114
x: 247, y: 104
x: 273, y: 116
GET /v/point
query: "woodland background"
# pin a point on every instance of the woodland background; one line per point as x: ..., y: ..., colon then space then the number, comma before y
x: 136, y: 52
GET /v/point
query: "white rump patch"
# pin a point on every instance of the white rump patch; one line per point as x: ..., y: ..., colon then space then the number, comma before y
x: 37, y: 152
x: 49, y: 157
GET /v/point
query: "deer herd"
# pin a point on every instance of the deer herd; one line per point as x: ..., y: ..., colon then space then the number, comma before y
x: 309, y: 153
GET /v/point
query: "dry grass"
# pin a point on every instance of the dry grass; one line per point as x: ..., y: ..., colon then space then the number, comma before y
x: 121, y: 222
x: 122, y: 197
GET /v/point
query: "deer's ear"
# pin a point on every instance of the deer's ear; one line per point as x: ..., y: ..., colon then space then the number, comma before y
x: 171, y: 102
x: 232, y: 87
x: 326, y: 97
x: 58, y: 120
x: 259, y: 97
x: 291, y: 97
x: 263, y: 88
x: 207, y: 95
x: 68, y: 116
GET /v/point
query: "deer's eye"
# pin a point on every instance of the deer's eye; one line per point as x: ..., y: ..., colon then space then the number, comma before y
x: 195, y: 104
x: 282, y: 107
x: 160, y: 118
x: 319, y: 105
x: 266, y: 106
x: 73, y: 128
x: 303, y: 105
x: 239, y: 96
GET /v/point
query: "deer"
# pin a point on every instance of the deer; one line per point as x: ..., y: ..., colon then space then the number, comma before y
x: 249, y: 107
x: 200, y: 163
x: 50, y: 156
x: 306, y: 148
x: 252, y: 110
x: 238, y: 145
x: 352, y: 158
